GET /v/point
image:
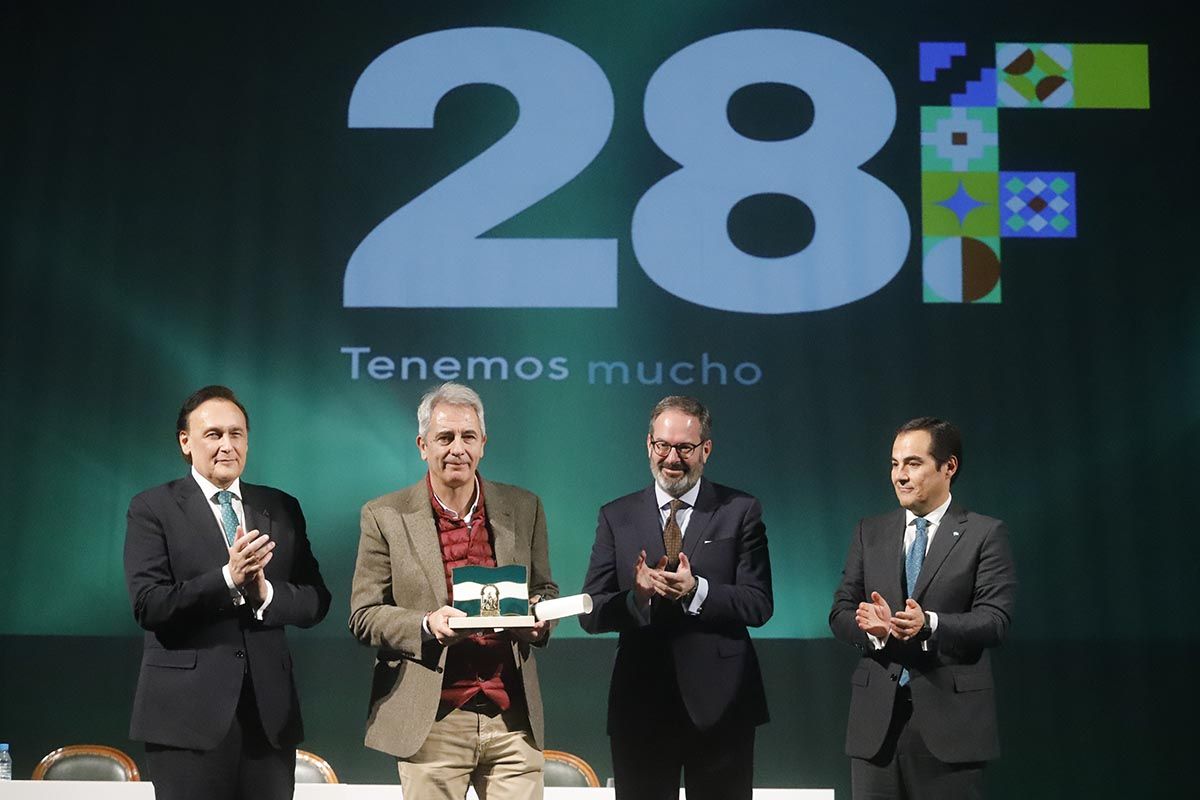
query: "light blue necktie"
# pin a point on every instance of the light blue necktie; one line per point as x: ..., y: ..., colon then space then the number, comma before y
x: 912, y: 567
x: 228, y: 518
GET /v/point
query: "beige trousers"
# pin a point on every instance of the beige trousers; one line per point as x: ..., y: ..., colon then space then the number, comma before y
x: 496, y: 755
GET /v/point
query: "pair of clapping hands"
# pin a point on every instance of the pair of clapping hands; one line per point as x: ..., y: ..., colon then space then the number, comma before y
x: 877, y: 619
x: 248, y: 557
x: 658, y: 581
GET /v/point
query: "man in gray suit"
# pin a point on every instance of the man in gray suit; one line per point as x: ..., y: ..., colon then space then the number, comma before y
x: 922, y: 708
x: 454, y: 709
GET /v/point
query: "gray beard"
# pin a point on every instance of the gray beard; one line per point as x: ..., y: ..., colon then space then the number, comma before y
x: 678, y: 487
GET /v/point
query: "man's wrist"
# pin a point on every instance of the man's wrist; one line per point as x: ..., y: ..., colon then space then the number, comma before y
x: 926, y: 630
x: 687, y: 598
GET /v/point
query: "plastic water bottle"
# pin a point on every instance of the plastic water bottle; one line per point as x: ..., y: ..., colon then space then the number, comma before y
x: 5, y: 763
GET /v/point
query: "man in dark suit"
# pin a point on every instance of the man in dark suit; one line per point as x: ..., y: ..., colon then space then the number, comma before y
x: 922, y: 708
x: 215, y: 568
x: 681, y: 570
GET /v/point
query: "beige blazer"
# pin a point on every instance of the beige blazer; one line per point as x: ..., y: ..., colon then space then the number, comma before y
x: 399, y: 577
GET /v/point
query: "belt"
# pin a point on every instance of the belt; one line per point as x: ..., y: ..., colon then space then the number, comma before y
x: 481, y: 704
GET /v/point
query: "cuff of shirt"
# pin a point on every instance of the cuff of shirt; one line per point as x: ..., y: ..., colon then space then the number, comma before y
x: 693, y: 608
x: 235, y: 594
x: 258, y: 612
x: 932, y: 628
x: 426, y: 634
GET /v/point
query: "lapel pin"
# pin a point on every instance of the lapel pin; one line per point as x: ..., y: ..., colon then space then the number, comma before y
x: 956, y: 533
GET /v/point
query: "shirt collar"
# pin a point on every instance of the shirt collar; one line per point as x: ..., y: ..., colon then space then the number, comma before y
x: 688, y: 497
x: 934, y: 516
x: 209, y: 488
x: 470, y: 511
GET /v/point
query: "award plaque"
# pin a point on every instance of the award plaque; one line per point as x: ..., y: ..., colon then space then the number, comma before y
x: 498, y: 597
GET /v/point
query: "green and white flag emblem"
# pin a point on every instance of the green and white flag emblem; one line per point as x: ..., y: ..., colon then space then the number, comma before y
x: 491, y: 591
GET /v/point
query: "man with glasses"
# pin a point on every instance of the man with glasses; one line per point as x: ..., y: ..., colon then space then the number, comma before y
x: 680, y: 569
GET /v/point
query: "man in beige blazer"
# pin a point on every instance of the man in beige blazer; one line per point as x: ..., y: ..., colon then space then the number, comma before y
x: 455, y: 709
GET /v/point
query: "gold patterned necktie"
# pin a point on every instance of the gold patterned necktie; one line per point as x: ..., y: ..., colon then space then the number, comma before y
x: 672, y: 535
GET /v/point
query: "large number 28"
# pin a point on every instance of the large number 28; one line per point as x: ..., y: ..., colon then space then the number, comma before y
x: 679, y: 230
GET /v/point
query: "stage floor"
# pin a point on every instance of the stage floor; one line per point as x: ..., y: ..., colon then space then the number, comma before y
x: 103, y: 790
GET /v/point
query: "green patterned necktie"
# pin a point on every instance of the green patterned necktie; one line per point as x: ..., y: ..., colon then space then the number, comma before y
x: 229, y: 519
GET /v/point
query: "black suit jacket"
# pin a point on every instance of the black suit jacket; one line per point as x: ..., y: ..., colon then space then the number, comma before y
x: 715, y: 666
x: 198, y: 644
x: 969, y: 581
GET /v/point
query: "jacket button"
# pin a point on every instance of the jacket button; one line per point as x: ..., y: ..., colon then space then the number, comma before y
x: 242, y: 654
x: 893, y: 677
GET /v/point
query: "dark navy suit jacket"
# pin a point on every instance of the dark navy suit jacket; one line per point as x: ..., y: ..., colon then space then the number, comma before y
x: 715, y: 666
x: 198, y: 645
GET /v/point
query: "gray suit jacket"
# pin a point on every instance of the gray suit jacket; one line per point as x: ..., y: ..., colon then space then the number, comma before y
x: 399, y: 577
x: 969, y: 581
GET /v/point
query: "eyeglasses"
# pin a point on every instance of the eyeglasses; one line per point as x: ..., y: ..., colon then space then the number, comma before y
x: 684, y: 449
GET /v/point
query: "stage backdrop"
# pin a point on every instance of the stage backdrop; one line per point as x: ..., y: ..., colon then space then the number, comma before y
x: 819, y: 218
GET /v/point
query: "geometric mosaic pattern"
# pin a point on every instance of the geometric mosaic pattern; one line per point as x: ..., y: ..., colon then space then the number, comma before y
x: 958, y: 74
x: 1038, y: 204
x: 937, y: 56
x: 957, y: 139
x: 1072, y: 75
x: 962, y: 269
x: 960, y: 204
x: 1035, y: 76
x: 967, y: 204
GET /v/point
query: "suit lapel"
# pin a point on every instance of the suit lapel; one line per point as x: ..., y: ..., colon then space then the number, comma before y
x: 651, y: 527
x: 200, y: 519
x: 893, y: 555
x: 257, y: 516
x: 948, y: 535
x: 702, y: 514
x: 500, y: 518
x: 423, y: 539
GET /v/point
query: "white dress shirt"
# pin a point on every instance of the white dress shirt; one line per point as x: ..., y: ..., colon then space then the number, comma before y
x: 210, y: 490
x: 934, y: 518
x: 682, y: 517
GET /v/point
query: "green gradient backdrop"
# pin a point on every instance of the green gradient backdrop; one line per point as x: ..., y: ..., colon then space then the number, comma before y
x: 181, y: 195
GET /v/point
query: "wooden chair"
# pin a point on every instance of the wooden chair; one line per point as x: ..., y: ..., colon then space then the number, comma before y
x: 311, y: 768
x: 86, y: 762
x: 567, y: 769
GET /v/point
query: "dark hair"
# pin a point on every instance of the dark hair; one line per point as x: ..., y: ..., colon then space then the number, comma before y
x: 945, y: 439
x: 198, y: 398
x: 688, y: 405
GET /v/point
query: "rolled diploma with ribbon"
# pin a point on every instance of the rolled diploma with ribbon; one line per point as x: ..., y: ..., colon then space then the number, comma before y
x: 560, y: 607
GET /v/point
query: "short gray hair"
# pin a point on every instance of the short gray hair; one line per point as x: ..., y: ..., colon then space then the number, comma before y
x: 454, y: 394
x: 688, y: 405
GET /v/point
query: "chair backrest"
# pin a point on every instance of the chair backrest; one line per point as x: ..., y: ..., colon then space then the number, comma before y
x: 311, y: 768
x: 567, y: 769
x: 86, y: 762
